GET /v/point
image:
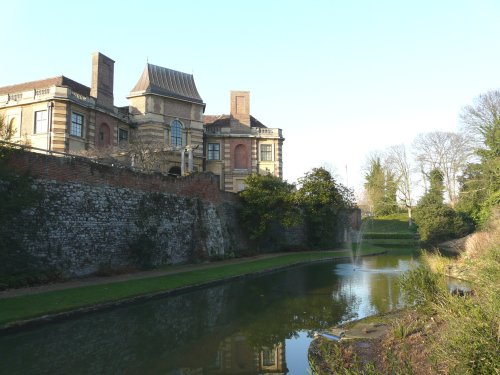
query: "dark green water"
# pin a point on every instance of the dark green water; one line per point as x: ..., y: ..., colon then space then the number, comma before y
x: 254, y: 326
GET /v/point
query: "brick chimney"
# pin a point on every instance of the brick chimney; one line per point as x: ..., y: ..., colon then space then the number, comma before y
x: 102, y: 79
x: 240, y: 106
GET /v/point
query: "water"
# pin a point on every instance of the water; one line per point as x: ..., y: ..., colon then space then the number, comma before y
x: 254, y: 326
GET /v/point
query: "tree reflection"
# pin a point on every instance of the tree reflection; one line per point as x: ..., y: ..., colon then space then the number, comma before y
x: 249, y: 318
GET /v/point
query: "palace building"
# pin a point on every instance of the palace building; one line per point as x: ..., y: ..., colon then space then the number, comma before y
x: 238, y: 145
x: 165, y: 119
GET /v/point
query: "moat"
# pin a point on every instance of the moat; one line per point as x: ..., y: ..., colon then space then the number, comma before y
x: 259, y: 325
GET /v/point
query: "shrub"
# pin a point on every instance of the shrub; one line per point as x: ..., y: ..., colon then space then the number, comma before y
x: 421, y: 287
x: 142, y: 251
x: 438, y: 222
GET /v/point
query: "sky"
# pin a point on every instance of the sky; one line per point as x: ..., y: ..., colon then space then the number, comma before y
x: 340, y: 78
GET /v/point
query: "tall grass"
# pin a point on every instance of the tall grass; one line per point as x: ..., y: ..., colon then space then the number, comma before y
x: 469, y: 343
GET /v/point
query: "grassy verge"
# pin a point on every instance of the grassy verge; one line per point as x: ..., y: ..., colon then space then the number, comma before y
x: 36, y: 305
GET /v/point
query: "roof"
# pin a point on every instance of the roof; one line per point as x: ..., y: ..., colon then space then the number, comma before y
x: 167, y: 82
x: 225, y: 120
x: 49, y: 82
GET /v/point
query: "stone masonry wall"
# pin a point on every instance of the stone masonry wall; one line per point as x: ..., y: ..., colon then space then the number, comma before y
x: 84, y: 220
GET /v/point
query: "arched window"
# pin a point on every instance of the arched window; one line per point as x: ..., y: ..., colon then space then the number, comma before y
x: 240, y: 157
x: 103, y: 135
x: 175, y: 171
x: 176, y: 133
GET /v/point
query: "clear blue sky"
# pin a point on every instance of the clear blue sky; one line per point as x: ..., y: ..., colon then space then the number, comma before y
x: 341, y: 78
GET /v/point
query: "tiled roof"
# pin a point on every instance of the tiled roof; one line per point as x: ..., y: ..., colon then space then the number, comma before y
x: 225, y: 120
x: 167, y: 82
x: 49, y: 82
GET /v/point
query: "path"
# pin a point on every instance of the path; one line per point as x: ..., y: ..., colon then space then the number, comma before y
x: 100, y: 280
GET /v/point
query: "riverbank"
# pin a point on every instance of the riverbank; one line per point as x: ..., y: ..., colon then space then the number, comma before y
x: 445, y: 331
x: 31, y: 306
x: 398, y: 342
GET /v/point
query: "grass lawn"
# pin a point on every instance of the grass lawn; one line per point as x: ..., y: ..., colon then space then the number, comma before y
x: 389, y: 231
x: 396, y: 223
x: 37, y: 305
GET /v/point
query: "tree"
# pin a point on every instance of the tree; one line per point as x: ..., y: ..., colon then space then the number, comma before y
x: 398, y: 162
x: 323, y: 201
x: 7, y: 131
x: 480, y: 185
x: 482, y: 121
x: 435, y: 220
x: 141, y: 153
x: 267, y: 200
x: 380, y: 187
x: 447, y: 151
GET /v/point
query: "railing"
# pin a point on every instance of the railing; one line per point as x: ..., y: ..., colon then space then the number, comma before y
x: 45, y: 91
x: 15, y: 96
x: 254, y: 131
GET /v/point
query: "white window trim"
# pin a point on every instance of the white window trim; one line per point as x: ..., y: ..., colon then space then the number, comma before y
x: 35, y: 111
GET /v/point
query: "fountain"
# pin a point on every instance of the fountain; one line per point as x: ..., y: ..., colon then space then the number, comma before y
x: 355, y: 242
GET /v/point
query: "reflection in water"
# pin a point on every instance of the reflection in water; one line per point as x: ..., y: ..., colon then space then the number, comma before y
x: 240, y: 327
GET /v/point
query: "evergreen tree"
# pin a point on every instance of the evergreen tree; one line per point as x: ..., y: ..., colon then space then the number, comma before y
x: 381, y: 188
x: 323, y: 201
x: 435, y: 220
x: 267, y: 200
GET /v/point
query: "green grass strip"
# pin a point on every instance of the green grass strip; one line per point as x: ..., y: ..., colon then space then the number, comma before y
x: 37, y: 305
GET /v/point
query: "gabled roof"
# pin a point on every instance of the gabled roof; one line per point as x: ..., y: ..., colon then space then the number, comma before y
x: 167, y: 82
x: 49, y: 82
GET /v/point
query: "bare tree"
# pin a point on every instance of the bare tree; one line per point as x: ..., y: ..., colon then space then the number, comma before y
x: 146, y: 154
x: 397, y: 161
x: 481, y: 121
x: 141, y: 153
x: 7, y: 131
x: 447, y: 151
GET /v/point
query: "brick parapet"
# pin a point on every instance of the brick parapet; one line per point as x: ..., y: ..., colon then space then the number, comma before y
x: 203, y: 185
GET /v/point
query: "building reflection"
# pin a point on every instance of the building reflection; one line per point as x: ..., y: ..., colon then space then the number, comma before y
x: 236, y: 355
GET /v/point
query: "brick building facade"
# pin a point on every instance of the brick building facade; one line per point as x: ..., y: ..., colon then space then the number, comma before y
x: 238, y: 145
x: 165, y: 118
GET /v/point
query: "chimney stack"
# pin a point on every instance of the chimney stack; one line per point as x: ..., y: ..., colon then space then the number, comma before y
x: 102, y: 79
x: 240, y: 106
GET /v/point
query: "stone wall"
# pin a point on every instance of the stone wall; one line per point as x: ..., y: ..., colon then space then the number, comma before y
x: 89, y: 216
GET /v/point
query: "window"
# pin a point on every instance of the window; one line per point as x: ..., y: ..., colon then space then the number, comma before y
x: 41, y: 123
x: 268, y: 357
x: 266, y: 152
x: 122, y: 136
x: 213, y: 151
x: 176, y: 133
x: 76, y: 125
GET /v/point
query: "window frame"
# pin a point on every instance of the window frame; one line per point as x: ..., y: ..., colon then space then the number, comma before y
x: 120, y: 132
x: 76, y: 125
x: 267, y: 152
x: 176, y: 133
x: 213, y: 153
x: 36, y: 129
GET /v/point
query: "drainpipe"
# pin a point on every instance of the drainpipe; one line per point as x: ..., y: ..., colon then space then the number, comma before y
x: 50, y: 106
